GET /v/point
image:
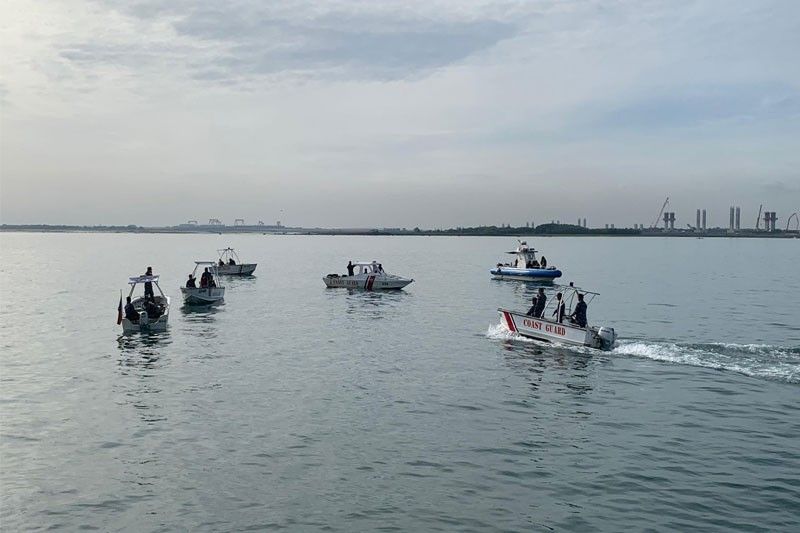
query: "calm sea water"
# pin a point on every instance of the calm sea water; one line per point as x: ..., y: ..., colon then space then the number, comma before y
x: 296, y: 407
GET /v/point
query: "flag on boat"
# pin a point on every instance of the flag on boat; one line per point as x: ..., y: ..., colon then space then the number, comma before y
x: 119, y: 310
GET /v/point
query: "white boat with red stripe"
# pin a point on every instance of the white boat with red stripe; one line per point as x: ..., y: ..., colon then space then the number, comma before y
x: 367, y: 276
x: 567, y: 331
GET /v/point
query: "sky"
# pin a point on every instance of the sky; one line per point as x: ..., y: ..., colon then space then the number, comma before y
x: 431, y: 113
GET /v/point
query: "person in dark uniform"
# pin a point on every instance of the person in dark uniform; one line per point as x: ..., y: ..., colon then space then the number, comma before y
x: 541, y: 301
x: 152, y: 308
x: 350, y: 268
x: 148, y: 286
x: 231, y: 261
x: 220, y: 262
x: 579, y: 315
x: 560, y: 308
x: 191, y: 283
x: 204, y: 278
x: 130, y: 312
x: 543, y: 262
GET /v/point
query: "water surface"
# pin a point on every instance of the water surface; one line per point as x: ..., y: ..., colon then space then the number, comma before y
x: 296, y: 406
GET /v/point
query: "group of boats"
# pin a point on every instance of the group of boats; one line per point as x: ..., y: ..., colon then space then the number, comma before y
x: 150, y: 311
x: 553, y: 321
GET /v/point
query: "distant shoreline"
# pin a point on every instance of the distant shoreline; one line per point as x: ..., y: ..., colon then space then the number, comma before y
x: 545, y: 230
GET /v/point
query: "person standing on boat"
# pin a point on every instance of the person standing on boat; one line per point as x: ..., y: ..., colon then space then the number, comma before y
x: 579, y: 315
x: 148, y: 286
x: 560, y: 308
x: 541, y: 301
x: 350, y: 268
x: 130, y: 311
x: 204, y: 279
x: 543, y: 262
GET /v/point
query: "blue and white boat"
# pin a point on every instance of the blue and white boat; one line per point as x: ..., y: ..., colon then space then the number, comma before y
x: 526, y: 266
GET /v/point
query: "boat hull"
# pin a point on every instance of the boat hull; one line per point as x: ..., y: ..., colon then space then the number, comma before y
x: 369, y: 282
x: 145, y: 324
x: 564, y: 333
x: 202, y: 296
x: 245, y: 269
x: 526, y: 274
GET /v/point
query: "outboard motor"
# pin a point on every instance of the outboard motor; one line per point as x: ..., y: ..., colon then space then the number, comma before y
x: 144, y: 320
x: 607, y: 338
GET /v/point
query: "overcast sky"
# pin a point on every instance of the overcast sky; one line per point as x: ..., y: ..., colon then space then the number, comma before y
x: 429, y: 113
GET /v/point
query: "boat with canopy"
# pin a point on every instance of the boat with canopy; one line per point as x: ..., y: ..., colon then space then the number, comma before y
x: 525, y: 267
x: 207, y: 293
x: 229, y: 264
x: 546, y: 327
x: 152, y: 315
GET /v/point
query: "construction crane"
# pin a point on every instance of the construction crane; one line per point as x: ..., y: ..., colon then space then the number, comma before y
x: 238, y: 222
x: 758, y: 217
x: 796, y: 217
x: 658, y: 217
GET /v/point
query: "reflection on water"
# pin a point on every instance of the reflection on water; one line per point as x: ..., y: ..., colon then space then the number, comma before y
x: 140, y: 364
x: 234, y: 282
x: 369, y: 304
x: 200, y: 320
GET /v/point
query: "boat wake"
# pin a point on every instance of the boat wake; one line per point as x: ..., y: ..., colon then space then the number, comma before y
x: 779, y: 363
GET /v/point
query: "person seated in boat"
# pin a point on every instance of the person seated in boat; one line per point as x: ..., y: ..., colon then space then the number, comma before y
x: 211, y: 282
x: 191, y: 283
x: 560, y: 308
x: 380, y: 268
x: 543, y: 262
x: 350, y: 268
x: 130, y: 311
x: 152, y: 308
x: 231, y: 262
x: 579, y: 315
x: 534, y: 264
x: 148, y: 286
x: 221, y: 262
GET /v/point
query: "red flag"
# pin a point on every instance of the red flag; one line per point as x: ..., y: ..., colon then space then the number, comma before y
x: 119, y: 310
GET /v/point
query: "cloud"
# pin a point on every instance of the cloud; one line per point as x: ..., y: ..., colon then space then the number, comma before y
x: 247, y: 40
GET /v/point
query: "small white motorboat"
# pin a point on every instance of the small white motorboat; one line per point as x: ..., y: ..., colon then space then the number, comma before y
x: 566, y: 331
x: 229, y: 264
x: 210, y: 290
x: 153, y: 316
x: 525, y: 267
x: 368, y: 276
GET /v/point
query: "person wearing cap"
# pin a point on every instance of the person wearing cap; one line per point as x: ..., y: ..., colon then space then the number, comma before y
x: 579, y: 315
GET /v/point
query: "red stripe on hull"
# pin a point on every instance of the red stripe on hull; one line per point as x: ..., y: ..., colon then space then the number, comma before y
x: 510, y: 322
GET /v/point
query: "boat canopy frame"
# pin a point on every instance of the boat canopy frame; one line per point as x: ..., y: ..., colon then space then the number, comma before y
x: 213, y: 268
x: 227, y: 253
x: 135, y: 280
x: 569, y: 295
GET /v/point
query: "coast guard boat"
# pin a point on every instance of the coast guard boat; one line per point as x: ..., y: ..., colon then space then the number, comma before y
x: 229, y: 264
x: 525, y: 267
x: 368, y: 276
x: 208, y: 295
x: 146, y: 322
x: 546, y: 328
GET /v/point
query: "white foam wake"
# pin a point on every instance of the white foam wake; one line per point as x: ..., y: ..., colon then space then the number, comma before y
x: 758, y: 360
